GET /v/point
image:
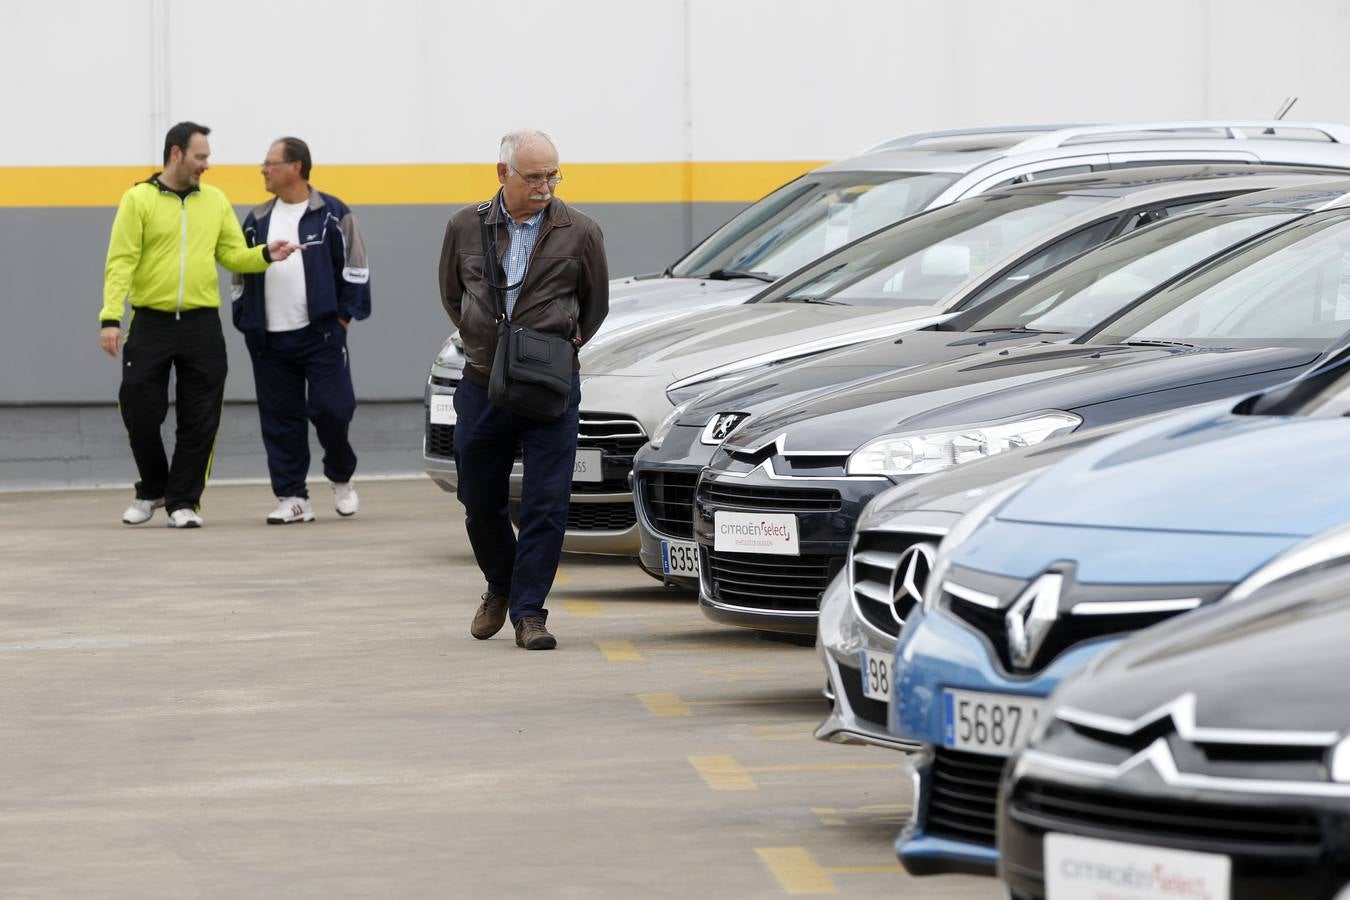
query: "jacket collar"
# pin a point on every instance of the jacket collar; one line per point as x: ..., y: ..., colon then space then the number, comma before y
x: 164, y: 188
x: 557, y: 212
x: 265, y: 208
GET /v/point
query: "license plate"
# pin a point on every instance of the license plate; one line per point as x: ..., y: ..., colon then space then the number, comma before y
x: 774, y: 533
x: 996, y: 724
x: 1077, y: 867
x: 587, y: 466
x: 679, y: 558
x: 876, y: 676
x: 443, y: 409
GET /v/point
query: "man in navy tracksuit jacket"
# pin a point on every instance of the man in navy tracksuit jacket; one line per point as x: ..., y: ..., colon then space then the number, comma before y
x: 295, y: 321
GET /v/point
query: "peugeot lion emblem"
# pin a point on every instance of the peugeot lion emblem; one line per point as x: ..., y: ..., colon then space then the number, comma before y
x: 911, y: 574
x: 1031, y: 617
x: 722, y: 424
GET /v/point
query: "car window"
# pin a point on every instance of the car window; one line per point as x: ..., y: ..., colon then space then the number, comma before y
x: 809, y: 217
x: 1093, y: 287
x: 921, y: 261
x: 1044, y: 260
x: 1294, y: 286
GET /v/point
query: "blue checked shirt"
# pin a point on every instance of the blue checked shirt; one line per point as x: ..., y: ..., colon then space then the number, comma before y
x: 517, y: 259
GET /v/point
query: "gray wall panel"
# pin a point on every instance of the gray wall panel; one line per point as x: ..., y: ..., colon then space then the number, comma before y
x: 53, y: 265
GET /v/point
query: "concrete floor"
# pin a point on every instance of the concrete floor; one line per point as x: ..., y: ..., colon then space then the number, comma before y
x: 245, y: 711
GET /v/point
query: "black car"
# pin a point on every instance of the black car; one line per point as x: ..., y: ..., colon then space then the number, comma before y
x: 1208, y: 754
x: 774, y: 511
x: 1053, y: 308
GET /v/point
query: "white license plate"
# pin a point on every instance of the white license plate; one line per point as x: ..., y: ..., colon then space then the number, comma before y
x: 876, y: 676
x: 996, y: 724
x: 679, y: 558
x: 443, y: 409
x: 1092, y: 869
x: 774, y: 533
x: 587, y: 466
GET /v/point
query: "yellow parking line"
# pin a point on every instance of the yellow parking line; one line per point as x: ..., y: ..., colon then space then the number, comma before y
x: 619, y: 651
x: 796, y: 870
x: 723, y: 773
x: 583, y: 608
x: 561, y: 577
x: 664, y: 705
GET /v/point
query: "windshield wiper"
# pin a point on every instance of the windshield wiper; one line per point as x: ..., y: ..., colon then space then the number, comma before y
x: 1020, y: 329
x: 731, y: 274
x: 1161, y: 344
x: 805, y: 299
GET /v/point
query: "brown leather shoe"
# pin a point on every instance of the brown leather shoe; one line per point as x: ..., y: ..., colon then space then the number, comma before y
x: 532, y: 635
x: 491, y: 616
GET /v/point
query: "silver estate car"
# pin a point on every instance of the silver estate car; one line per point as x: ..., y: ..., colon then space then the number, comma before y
x: 845, y: 200
x: 916, y: 273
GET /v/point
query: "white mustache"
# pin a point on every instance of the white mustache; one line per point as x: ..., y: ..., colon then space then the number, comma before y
x: 541, y: 196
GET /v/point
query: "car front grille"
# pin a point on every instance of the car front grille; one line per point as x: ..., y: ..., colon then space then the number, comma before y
x: 758, y: 498
x: 883, y: 596
x: 962, y: 795
x: 864, y: 707
x: 1223, y: 828
x: 440, y: 439
x: 669, y: 498
x: 441, y: 381
x: 616, y: 435
x: 601, y: 516
x: 769, y: 582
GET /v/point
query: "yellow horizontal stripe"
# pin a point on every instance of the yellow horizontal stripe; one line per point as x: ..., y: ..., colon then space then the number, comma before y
x: 442, y: 184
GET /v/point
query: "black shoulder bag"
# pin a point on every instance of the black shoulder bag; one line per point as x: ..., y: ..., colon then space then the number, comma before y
x: 531, y: 371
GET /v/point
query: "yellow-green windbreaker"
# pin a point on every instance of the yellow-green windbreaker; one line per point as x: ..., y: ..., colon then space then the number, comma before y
x: 163, y: 251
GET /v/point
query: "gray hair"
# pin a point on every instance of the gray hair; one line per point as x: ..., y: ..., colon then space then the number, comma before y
x: 513, y: 141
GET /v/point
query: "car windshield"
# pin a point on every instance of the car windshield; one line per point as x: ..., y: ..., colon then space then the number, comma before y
x: 808, y: 218
x: 917, y: 263
x: 1292, y: 287
x: 1099, y: 284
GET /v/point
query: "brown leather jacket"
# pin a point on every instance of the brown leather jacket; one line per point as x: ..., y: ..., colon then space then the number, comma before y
x: 566, y: 289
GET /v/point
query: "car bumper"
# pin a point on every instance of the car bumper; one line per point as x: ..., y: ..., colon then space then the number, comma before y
x: 951, y: 831
x: 663, y: 482
x: 438, y: 438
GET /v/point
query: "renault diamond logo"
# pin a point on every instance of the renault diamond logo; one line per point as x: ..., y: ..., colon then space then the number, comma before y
x: 911, y: 574
x: 722, y: 425
x: 1031, y: 617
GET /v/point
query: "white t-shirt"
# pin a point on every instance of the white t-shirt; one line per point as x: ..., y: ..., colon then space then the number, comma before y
x: 287, y: 308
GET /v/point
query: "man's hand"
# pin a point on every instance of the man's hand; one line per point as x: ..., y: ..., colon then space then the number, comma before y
x: 110, y: 339
x: 279, y: 250
x: 345, y: 323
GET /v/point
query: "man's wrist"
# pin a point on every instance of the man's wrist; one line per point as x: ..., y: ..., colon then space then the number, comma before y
x: 110, y: 323
x: 267, y: 254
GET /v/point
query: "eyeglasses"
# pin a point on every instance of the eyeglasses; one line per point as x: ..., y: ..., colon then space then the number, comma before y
x: 552, y: 179
x: 269, y: 163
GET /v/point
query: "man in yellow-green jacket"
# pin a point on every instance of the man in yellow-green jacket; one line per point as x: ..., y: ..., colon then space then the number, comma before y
x: 169, y: 233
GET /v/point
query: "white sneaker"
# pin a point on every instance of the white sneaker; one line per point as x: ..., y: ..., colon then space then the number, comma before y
x: 184, y: 518
x: 140, y: 511
x: 344, y: 498
x: 291, y: 510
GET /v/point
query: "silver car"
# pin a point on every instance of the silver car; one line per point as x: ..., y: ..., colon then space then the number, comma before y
x: 845, y: 200
x: 913, y: 274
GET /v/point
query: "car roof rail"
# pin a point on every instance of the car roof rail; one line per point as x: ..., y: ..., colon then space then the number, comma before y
x: 1217, y: 129
x: 924, y: 137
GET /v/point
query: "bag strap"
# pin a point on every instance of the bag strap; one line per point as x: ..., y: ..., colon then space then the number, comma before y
x: 488, y: 237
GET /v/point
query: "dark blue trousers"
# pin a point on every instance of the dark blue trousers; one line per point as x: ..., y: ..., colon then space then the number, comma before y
x: 486, y: 438
x: 304, y: 376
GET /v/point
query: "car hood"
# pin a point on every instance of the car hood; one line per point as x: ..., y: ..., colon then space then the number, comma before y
x: 635, y: 300
x: 1232, y: 474
x: 684, y: 345
x: 1297, y: 633
x: 844, y: 369
x: 1006, y: 384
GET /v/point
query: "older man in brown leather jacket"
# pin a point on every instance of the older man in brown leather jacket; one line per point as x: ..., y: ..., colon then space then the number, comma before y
x: 550, y: 266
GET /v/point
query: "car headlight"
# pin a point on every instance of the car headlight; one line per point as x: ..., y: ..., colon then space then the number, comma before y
x: 451, y: 352
x: 667, y: 423
x: 1329, y: 547
x: 919, y: 454
x: 961, y: 531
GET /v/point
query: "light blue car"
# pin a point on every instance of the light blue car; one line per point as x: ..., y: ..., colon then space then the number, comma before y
x: 1193, y: 509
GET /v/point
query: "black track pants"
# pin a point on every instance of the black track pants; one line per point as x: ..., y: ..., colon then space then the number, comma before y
x: 194, y: 347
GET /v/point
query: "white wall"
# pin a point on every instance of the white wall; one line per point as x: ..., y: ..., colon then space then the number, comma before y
x: 96, y: 82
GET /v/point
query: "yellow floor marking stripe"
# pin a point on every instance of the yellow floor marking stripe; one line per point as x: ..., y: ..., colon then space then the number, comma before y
x: 723, y: 773
x: 865, y: 870
x: 583, y: 608
x: 664, y: 705
x: 742, y: 702
x: 796, y: 870
x: 619, y: 651
x: 561, y: 577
